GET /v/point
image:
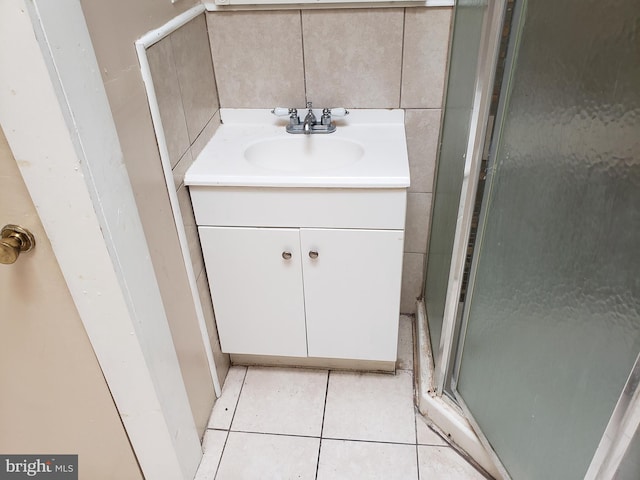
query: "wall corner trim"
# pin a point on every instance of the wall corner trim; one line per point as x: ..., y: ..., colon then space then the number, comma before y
x: 154, y: 36
x: 142, y: 44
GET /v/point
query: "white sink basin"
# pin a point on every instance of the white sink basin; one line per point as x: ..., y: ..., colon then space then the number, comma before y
x: 252, y: 149
x: 304, y: 153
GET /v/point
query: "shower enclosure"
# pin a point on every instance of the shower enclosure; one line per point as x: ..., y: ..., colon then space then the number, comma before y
x: 537, y: 338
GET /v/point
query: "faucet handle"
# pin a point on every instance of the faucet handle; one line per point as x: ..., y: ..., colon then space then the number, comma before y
x: 339, y: 112
x: 291, y: 112
x: 281, y: 111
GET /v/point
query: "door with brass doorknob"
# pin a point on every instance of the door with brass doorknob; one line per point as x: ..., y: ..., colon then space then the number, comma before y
x: 14, y: 240
x: 54, y: 396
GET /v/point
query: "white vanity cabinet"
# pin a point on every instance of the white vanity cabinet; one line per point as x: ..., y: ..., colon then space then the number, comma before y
x: 302, y: 237
x: 302, y: 278
x: 326, y: 293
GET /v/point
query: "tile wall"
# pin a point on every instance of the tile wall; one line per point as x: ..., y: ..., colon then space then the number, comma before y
x: 182, y: 74
x: 356, y: 58
x: 359, y: 58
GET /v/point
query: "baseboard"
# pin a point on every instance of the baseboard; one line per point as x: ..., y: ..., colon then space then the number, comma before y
x: 313, y: 362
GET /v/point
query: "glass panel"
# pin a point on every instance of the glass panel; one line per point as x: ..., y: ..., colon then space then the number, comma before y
x: 554, y: 319
x: 455, y: 133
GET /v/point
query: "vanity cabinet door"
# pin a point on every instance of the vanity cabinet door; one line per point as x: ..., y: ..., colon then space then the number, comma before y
x: 352, y: 292
x: 255, y: 278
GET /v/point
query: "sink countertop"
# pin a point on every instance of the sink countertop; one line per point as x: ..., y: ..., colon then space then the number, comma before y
x: 381, y: 134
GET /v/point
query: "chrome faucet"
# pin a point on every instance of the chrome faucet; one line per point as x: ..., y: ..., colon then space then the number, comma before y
x: 310, y: 124
x: 309, y: 121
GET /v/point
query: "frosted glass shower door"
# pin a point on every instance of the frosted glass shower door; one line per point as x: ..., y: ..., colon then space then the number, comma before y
x: 552, y: 326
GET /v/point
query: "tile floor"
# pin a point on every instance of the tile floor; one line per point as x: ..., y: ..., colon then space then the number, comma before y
x: 287, y: 423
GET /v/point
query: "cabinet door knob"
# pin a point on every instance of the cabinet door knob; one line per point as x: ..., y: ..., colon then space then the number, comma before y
x: 313, y: 254
x: 286, y: 255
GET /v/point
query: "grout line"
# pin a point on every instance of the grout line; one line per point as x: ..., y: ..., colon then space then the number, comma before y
x: 410, y: 444
x: 404, y: 31
x: 206, y: 124
x: 175, y: 70
x: 235, y: 407
x: 296, y: 435
x: 442, y: 439
x: 250, y: 432
x: 324, y: 412
x: 213, y: 63
x: 415, y: 425
x: 433, y: 445
x: 413, y: 385
x: 228, y: 430
x: 221, y: 455
x: 304, y: 65
x: 233, y: 416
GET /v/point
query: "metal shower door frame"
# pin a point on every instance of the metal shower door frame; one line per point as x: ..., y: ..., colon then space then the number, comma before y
x: 487, y: 61
x: 625, y: 419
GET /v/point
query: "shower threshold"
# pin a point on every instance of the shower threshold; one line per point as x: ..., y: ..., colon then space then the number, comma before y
x: 438, y: 410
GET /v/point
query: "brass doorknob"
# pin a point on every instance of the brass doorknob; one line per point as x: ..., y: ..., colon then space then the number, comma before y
x: 13, y: 240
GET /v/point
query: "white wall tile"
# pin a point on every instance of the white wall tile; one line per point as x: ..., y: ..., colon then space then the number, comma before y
x: 353, y: 57
x: 221, y: 359
x: 191, y: 229
x: 417, y: 222
x: 181, y: 167
x: 167, y: 89
x: 257, y: 58
x: 206, y: 135
x: 422, y: 127
x: 405, y: 343
x: 426, y: 49
x: 412, y: 279
x: 192, y: 56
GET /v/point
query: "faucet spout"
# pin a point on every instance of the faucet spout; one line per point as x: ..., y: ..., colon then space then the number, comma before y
x: 309, y: 121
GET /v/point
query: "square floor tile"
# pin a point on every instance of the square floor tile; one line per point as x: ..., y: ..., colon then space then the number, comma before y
x: 405, y: 344
x: 254, y: 456
x: 369, y: 406
x: 212, y: 445
x: 426, y: 436
x: 281, y: 400
x: 444, y: 463
x: 346, y: 460
x: 225, y: 406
